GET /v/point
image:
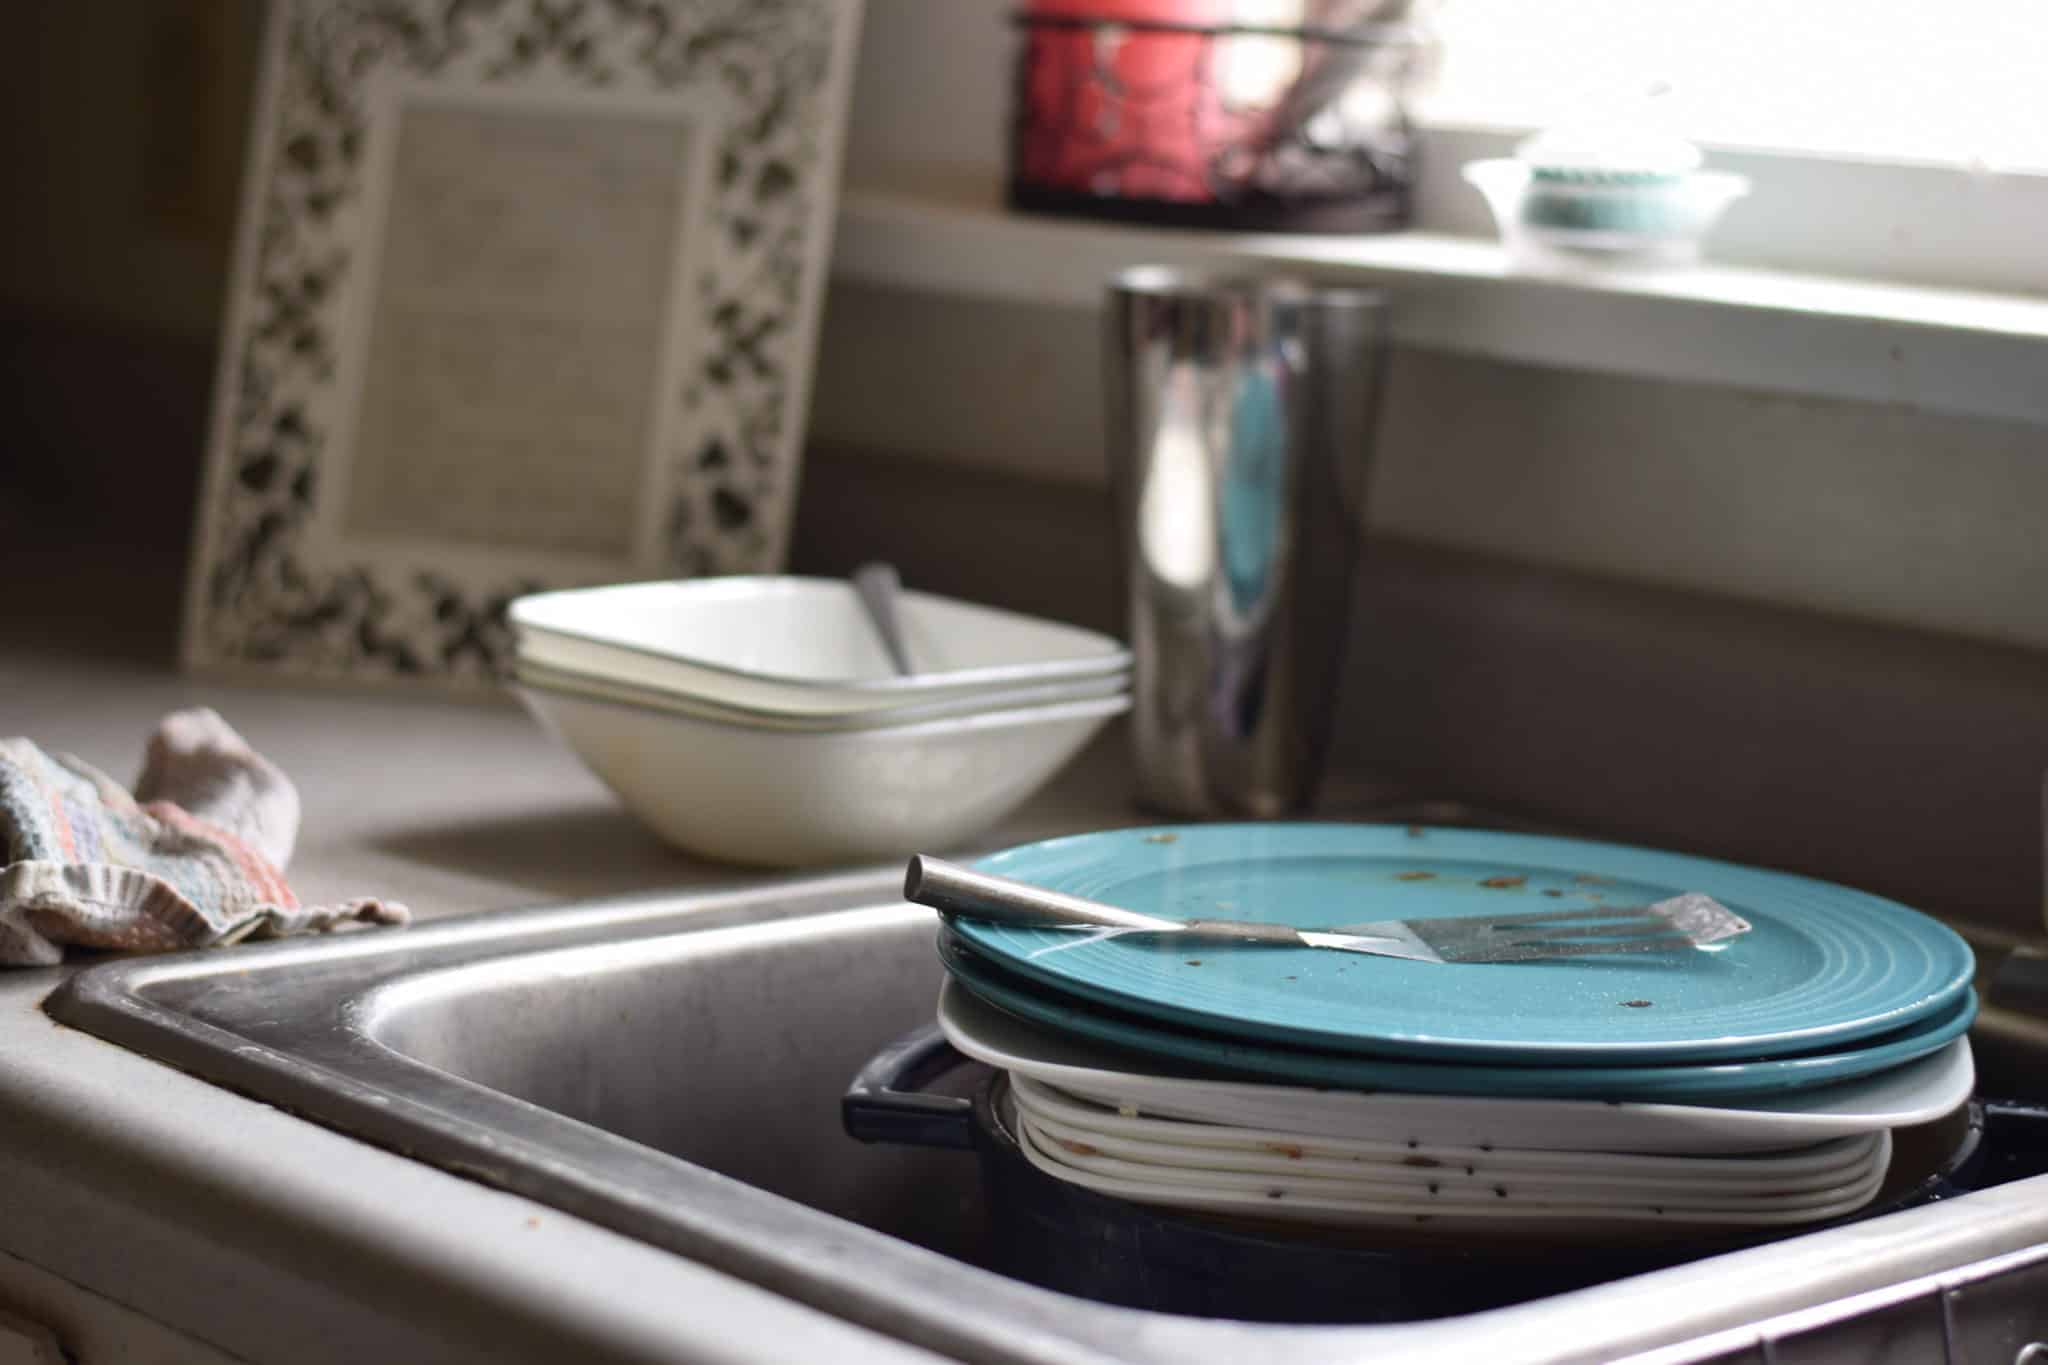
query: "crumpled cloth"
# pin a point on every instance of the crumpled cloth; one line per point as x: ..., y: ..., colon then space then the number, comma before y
x: 194, y: 858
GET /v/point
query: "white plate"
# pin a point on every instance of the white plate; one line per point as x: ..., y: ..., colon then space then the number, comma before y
x: 1171, y: 1143
x: 786, y: 799
x: 1550, y: 1221
x: 1919, y: 1092
x: 1449, y: 1184
x: 1463, y: 1196
x: 798, y: 645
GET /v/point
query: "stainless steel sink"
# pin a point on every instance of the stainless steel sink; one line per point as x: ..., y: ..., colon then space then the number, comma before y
x: 671, y: 1068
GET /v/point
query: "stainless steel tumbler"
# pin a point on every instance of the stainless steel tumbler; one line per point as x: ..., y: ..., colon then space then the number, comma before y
x: 1242, y: 416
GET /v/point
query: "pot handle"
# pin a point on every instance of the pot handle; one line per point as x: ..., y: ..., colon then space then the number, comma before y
x: 883, y: 1103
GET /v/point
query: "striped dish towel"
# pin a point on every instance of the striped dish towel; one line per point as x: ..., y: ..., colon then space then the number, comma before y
x: 194, y: 858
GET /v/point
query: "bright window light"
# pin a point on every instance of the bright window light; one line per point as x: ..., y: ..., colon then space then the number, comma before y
x: 1956, y: 83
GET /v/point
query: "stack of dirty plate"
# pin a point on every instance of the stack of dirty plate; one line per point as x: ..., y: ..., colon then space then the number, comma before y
x: 758, y: 719
x: 1754, y: 1084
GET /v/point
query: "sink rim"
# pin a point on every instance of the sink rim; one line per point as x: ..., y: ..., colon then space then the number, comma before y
x: 334, y: 1070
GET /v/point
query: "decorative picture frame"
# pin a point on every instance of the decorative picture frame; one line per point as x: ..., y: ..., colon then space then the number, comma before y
x: 525, y: 296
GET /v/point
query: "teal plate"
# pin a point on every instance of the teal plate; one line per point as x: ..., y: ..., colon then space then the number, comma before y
x: 1823, y: 967
x: 1682, y: 1083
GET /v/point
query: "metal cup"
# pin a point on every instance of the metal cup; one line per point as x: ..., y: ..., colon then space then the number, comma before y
x: 1241, y: 415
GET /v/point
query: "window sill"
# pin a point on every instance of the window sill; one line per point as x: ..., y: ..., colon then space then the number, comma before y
x: 1926, y: 349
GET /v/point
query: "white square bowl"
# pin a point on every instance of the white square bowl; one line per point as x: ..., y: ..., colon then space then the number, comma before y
x: 793, y: 798
x: 803, y: 646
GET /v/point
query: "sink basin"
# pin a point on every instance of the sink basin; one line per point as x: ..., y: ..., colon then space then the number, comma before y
x: 671, y: 1067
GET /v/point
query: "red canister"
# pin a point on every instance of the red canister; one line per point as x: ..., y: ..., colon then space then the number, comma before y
x: 1113, y: 98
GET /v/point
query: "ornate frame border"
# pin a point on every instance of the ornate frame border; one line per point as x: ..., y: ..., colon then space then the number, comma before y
x: 259, y: 596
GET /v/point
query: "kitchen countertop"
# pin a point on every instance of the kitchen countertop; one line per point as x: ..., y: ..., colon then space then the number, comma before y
x: 447, y: 805
x: 452, y: 805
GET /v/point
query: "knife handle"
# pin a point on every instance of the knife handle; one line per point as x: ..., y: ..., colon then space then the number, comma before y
x: 961, y: 891
x: 1242, y: 931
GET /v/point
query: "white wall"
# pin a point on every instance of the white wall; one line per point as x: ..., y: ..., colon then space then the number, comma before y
x: 121, y: 142
x: 1868, y: 511
x: 913, y: 108
x: 1864, y: 510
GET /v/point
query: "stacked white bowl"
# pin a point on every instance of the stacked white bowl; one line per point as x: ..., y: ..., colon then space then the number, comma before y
x: 758, y: 719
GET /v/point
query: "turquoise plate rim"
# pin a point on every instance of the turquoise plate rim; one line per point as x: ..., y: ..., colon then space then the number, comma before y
x: 1260, y: 1061
x: 1949, y: 969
